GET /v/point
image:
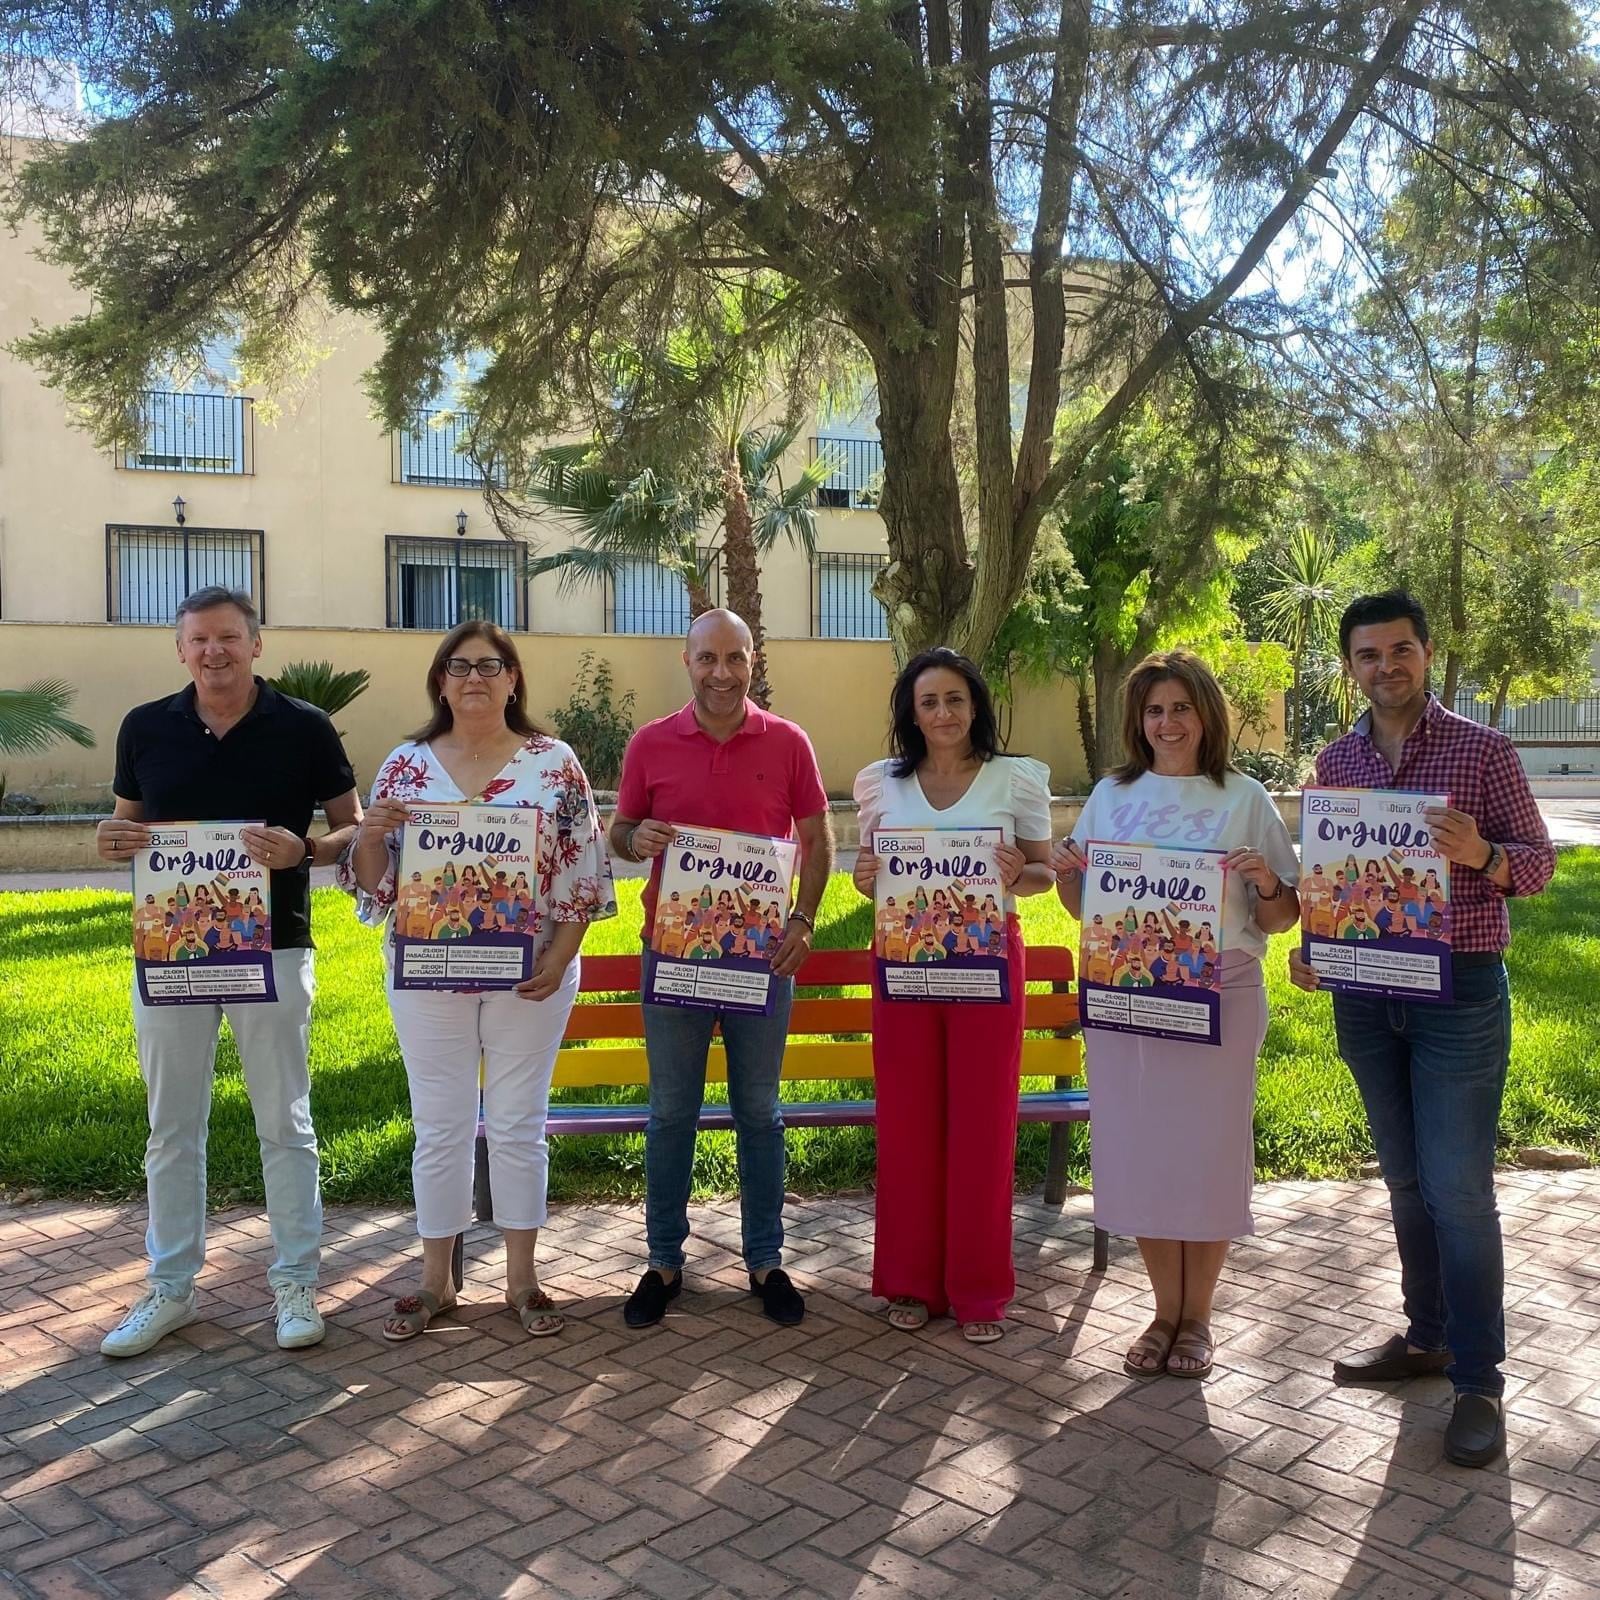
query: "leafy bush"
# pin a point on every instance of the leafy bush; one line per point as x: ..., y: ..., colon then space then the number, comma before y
x: 596, y: 726
x: 1276, y: 771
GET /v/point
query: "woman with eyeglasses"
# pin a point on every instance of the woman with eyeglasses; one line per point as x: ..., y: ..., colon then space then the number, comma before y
x: 480, y: 747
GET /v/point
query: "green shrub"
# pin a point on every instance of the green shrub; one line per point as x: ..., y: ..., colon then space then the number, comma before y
x: 597, y: 726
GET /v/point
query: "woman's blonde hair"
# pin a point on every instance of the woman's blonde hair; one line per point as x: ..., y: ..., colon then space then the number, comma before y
x: 1204, y: 693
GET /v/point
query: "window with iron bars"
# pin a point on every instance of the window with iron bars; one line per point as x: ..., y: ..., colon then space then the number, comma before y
x: 433, y: 584
x: 150, y: 569
x: 431, y: 450
x: 843, y: 605
x: 645, y: 597
x: 183, y: 432
x: 856, y: 481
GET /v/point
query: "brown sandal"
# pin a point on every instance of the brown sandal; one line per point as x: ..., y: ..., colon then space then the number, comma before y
x: 414, y: 1312
x: 1193, y: 1342
x: 537, y: 1313
x: 1156, y: 1341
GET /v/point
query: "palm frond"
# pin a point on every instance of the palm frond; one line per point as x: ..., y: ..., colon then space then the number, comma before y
x: 34, y: 717
x: 762, y: 450
x: 318, y: 684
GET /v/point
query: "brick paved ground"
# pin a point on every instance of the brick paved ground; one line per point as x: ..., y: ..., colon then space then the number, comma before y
x: 717, y: 1456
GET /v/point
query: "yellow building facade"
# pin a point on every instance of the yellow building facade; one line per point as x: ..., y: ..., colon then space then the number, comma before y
x: 360, y: 547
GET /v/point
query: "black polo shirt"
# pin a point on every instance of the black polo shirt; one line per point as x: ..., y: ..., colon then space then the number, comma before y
x: 278, y: 763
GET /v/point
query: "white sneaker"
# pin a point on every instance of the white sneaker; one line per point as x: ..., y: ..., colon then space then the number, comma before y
x: 152, y: 1319
x: 299, y: 1322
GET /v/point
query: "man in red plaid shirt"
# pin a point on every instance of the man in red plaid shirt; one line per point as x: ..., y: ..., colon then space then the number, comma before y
x: 1432, y: 1074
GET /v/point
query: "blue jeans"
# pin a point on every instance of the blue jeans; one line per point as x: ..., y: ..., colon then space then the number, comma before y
x: 1431, y: 1078
x: 676, y: 1039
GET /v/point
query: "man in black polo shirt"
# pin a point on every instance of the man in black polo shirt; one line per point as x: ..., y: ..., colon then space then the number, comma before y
x: 229, y: 746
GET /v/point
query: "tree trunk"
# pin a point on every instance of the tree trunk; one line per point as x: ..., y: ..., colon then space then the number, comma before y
x: 1458, y: 510
x: 1109, y: 666
x: 744, y: 572
x: 1502, y: 691
x: 928, y: 580
x: 1091, y: 755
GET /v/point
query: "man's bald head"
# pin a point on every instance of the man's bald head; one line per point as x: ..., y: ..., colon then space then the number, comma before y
x: 716, y: 623
x: 718, y: 653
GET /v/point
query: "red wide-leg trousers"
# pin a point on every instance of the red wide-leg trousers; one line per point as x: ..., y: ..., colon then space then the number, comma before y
x: 947, y: 1078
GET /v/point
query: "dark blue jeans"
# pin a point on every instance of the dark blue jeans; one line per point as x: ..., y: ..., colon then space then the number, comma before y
x: 1431, y: 1078
x: 676, y: 1039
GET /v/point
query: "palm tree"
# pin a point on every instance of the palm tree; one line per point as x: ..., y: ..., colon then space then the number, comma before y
x: 34, y: 717
x: 727, y: 368
x: 737, y: 505
x: 1301, y: 609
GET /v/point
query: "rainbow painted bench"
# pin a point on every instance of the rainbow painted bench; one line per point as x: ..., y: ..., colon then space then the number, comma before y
x: 612, y: 1055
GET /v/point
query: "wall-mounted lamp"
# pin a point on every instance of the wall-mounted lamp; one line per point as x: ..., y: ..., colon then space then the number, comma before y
x: 461, y: 524
x: 177, y: 509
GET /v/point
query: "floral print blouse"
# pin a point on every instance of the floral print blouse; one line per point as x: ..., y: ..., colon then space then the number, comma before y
x: 575, y: 882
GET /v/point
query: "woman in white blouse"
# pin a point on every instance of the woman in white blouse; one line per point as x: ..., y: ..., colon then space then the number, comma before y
x: 1173, y: 1149
x: 480, y: 747
x: 947, y: 1072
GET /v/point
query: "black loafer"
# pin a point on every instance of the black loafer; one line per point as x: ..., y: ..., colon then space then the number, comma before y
x: 1387, y: 1362
x: 1477, y: 1431
x: 647, y: 1305
x: 779, y: 1298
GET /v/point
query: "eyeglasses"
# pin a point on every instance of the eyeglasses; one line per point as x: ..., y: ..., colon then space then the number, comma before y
x: 461, y: 667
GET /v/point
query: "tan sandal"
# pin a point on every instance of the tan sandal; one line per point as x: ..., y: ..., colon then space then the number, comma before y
x: 982, y: 1332
x: 907, y: 1314
x: 537, y: 1313
x: 1193, y: 1343
x: 1156, y: 1342
x: 413, y: 1313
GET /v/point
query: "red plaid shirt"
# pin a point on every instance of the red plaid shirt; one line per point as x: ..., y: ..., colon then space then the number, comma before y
x: 1478, y: 768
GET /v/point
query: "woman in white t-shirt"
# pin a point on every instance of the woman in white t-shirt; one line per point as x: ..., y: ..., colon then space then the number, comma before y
x: 947, y: 1071
x: 1173, y: 1146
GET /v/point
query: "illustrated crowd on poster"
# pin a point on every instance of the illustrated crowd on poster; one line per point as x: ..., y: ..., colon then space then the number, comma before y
x: 195, y: 920
x: 1161, y: 950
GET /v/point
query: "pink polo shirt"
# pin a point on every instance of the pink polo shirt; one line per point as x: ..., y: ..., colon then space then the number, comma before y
x: 762, y: 780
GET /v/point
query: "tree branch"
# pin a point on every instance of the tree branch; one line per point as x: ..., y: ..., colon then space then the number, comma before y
x: 1300, y: 187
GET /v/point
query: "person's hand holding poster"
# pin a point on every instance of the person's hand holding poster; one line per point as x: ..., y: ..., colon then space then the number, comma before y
x: 1374, y: 893
x: 940, y: 915
x: 467, y: 911
x: 1151, y: 954
x: 202, y: 934
x: 722, y: 910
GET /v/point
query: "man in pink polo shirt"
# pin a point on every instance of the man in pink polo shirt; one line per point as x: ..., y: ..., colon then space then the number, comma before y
x: 721, y: 762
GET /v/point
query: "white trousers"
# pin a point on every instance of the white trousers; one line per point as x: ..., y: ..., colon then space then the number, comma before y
x: 177, y: 1056
x: 442, y: 1037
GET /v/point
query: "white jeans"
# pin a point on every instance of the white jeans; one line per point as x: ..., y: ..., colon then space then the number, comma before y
x: 177, y: 1055
x: 442, y: 1036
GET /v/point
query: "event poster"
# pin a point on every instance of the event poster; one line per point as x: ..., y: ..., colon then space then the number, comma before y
x: 202, y: 931
x: 722, y: 909
x: 940, y: 930
x: 1151, y: 955
x: 1374, y: 893
x: 465, y: 913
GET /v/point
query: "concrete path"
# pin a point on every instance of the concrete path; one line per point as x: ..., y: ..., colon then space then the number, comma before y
x: 717, y: 1456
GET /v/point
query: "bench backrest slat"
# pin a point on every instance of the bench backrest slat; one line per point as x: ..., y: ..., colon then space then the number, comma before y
x: 620, y: 974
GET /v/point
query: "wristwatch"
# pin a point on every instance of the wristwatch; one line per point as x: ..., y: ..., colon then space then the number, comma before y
x: 799, y: 916
x: 311, y: 851
x: 1492, y: 865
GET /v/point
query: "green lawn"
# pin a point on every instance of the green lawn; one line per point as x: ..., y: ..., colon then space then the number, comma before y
x: 72, y: 1105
